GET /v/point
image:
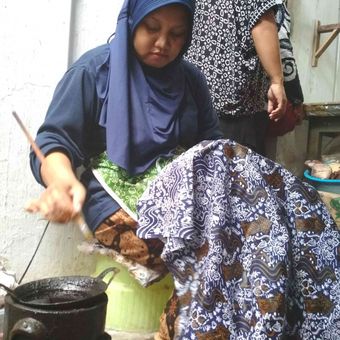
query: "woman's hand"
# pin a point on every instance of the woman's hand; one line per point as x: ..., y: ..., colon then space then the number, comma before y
x: 64, y: 195
x: 266, y: 42
x: 277, y: 101
x: 59, y: 202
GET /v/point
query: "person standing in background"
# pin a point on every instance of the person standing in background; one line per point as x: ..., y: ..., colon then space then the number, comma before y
x: 294, y: 110
x: 290, y: 72
x: 236, y: 45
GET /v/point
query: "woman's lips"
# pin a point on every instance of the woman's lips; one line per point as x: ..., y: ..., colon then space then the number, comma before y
x: 158, y: 55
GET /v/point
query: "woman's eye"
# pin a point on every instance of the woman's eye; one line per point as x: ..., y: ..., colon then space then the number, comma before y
x: 178, y: 34
x: 151, y: 28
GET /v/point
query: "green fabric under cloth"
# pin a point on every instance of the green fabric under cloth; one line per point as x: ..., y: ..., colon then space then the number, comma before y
x: 125, y: 189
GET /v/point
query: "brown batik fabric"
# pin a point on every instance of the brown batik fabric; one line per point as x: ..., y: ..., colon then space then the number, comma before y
x: 118, y: 232
x: 167, y: 329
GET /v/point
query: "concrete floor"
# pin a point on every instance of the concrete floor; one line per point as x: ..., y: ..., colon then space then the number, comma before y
x: 121, y: 336
x: 130, y: 336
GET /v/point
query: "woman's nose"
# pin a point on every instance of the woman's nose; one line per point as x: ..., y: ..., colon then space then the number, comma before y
x: 162, y: 41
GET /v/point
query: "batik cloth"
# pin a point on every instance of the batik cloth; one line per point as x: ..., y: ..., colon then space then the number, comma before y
x: 253, y: 250
x: 118, y: 231
x: 140, y: 257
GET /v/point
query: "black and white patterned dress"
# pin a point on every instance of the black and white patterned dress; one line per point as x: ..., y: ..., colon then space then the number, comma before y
x: 290, y: 72
x: 222, y: 47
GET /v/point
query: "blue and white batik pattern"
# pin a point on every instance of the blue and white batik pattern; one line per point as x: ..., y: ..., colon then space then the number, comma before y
x: 253, y: 250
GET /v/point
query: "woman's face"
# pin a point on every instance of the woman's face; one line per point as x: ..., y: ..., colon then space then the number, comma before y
x: 161, y: 35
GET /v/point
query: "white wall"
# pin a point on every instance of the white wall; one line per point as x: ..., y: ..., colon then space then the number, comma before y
x: 35, y: 51
x: 92, y: 24
x: 321, y: 83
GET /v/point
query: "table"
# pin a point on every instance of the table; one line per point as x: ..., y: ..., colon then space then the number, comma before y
x: 324, y: 121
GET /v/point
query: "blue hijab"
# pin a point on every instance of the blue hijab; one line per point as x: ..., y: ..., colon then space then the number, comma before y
x: 142, y: 105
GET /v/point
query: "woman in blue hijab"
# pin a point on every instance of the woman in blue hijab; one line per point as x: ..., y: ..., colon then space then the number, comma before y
x: 135, y: 98
x: 133, y: 102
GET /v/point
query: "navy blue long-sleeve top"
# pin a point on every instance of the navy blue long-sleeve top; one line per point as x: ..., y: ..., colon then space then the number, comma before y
x: 72, y: 126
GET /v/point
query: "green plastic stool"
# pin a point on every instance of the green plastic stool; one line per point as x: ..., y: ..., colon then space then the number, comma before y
x: 131, y: 307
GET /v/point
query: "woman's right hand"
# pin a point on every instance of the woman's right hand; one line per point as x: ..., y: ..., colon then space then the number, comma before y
x: 59, y: 202
x: 64, y: 195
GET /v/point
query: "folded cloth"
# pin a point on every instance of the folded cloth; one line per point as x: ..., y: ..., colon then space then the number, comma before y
x: 253, y: 250
x: 142, y: 274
